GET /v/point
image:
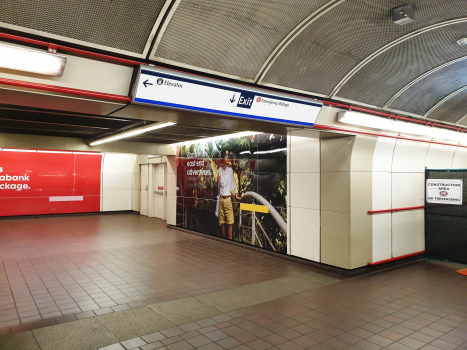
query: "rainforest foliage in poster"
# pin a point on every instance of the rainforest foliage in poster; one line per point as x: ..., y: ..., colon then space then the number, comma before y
x: 213, y: 178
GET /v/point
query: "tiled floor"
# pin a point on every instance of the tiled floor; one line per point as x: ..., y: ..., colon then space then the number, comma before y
x: 62, y: 266
x: 242, y: 299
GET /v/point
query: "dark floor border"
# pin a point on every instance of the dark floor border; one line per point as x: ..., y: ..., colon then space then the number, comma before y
x: 328, y: 268
x: 68, y: 214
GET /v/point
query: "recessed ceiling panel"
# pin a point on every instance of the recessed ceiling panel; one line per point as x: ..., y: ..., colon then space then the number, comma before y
x: 427, y: 92
x: 178, y: 133
x: 233, y: 38
x: 453, y: 109
x: 120, y: 24
x: 384, y: 76
x: 330, y: 47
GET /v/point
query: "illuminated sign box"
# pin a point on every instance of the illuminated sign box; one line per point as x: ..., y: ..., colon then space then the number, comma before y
x: 178, y: 90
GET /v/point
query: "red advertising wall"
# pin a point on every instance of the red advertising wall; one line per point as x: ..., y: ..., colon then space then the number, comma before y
x: 43, y: 182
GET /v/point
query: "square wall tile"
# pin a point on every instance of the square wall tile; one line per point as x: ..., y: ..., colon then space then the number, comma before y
x: 305, y: 233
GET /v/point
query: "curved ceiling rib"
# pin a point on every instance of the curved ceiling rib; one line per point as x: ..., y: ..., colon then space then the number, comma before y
x: 163, y: 25
x: 460, y: 120
x: 421, y: 77
x: 387, y: 47
x: 293, y: 34
x: 156, y: 26
x: 448, y: 97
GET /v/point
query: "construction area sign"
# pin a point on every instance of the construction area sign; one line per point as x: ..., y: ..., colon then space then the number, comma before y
x: 444, y: 191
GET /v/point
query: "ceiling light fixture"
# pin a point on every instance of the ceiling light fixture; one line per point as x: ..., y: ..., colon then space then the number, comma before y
x: 131, y: 133
x: 216, y: 138
x: 462, y: 42
x: 39, y: 62
x: 370, y: 121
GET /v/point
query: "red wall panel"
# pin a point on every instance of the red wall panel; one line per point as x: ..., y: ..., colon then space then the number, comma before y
x: 30, y: 183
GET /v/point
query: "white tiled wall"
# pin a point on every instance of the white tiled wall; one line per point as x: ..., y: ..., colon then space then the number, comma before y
x: 409, y: 156
x: 399, y: 182
x: 117, y: 181
x: 439, y: 156
x: 304, y: 195
x: 460, y: 158
x: 408, y: 232
x: 382, y: 198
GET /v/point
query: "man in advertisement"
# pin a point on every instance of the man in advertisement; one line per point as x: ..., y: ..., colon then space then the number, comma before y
x: 227, y: 187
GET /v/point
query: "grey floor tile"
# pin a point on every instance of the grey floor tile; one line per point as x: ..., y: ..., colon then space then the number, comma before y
x: 227, y: 300
x: 24, y: 340
x: 263, y: 291
x: 131, y: 323
x: 296, y: 283
x: 185, y: 310
x: 85, y: 334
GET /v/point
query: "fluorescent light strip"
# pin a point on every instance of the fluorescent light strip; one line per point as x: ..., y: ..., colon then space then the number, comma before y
x: 89, y: 153
x: 216, y: 138
x: 18, y: 150
x: 65, y: 152
x: 39, y: 62
x: 131, y: 133
x: 370, y: 121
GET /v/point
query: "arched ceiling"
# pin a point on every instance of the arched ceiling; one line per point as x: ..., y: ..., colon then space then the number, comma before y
x: 348, y: 50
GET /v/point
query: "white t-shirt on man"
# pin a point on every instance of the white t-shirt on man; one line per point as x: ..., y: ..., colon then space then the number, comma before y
x: 227, y: 182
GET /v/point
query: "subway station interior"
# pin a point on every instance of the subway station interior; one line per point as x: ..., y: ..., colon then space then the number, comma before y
x: 194, y: 174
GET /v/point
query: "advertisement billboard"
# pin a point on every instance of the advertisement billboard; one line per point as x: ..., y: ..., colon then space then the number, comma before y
x: 48, y: 182
x: 235, y: 188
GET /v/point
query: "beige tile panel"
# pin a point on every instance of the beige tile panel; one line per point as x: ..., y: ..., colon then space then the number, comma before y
x: 408, y: 190
x: 335, y: 154
x: 171, y: 183
x: 335, y: 244
x: 362, y: 153
x: 381, y: 190
x: 381, y: 238
x: 304, y: 190
x: 135, y: 200
x: 2, y: 140
x: 304, y: 154
x: 171, y: 164
x: 305, y: 233
x: 169, y: 150
x: 360, y: 220
x: 171, y: 209
x: 382, y: 156
x: 335, y: 191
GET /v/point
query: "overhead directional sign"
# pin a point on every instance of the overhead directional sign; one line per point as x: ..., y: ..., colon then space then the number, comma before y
x: 172, y: 89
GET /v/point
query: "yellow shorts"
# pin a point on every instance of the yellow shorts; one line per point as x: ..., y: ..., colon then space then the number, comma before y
x: 226, y: 215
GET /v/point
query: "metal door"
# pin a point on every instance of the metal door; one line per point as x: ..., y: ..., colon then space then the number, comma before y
x: 144, y: 189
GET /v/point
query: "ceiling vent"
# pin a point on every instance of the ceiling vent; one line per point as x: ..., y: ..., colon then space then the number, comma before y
x: 403, y: 14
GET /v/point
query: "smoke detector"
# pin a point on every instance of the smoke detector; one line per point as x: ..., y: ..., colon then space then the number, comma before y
x: 462, y: 42
x: 403, y: 14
